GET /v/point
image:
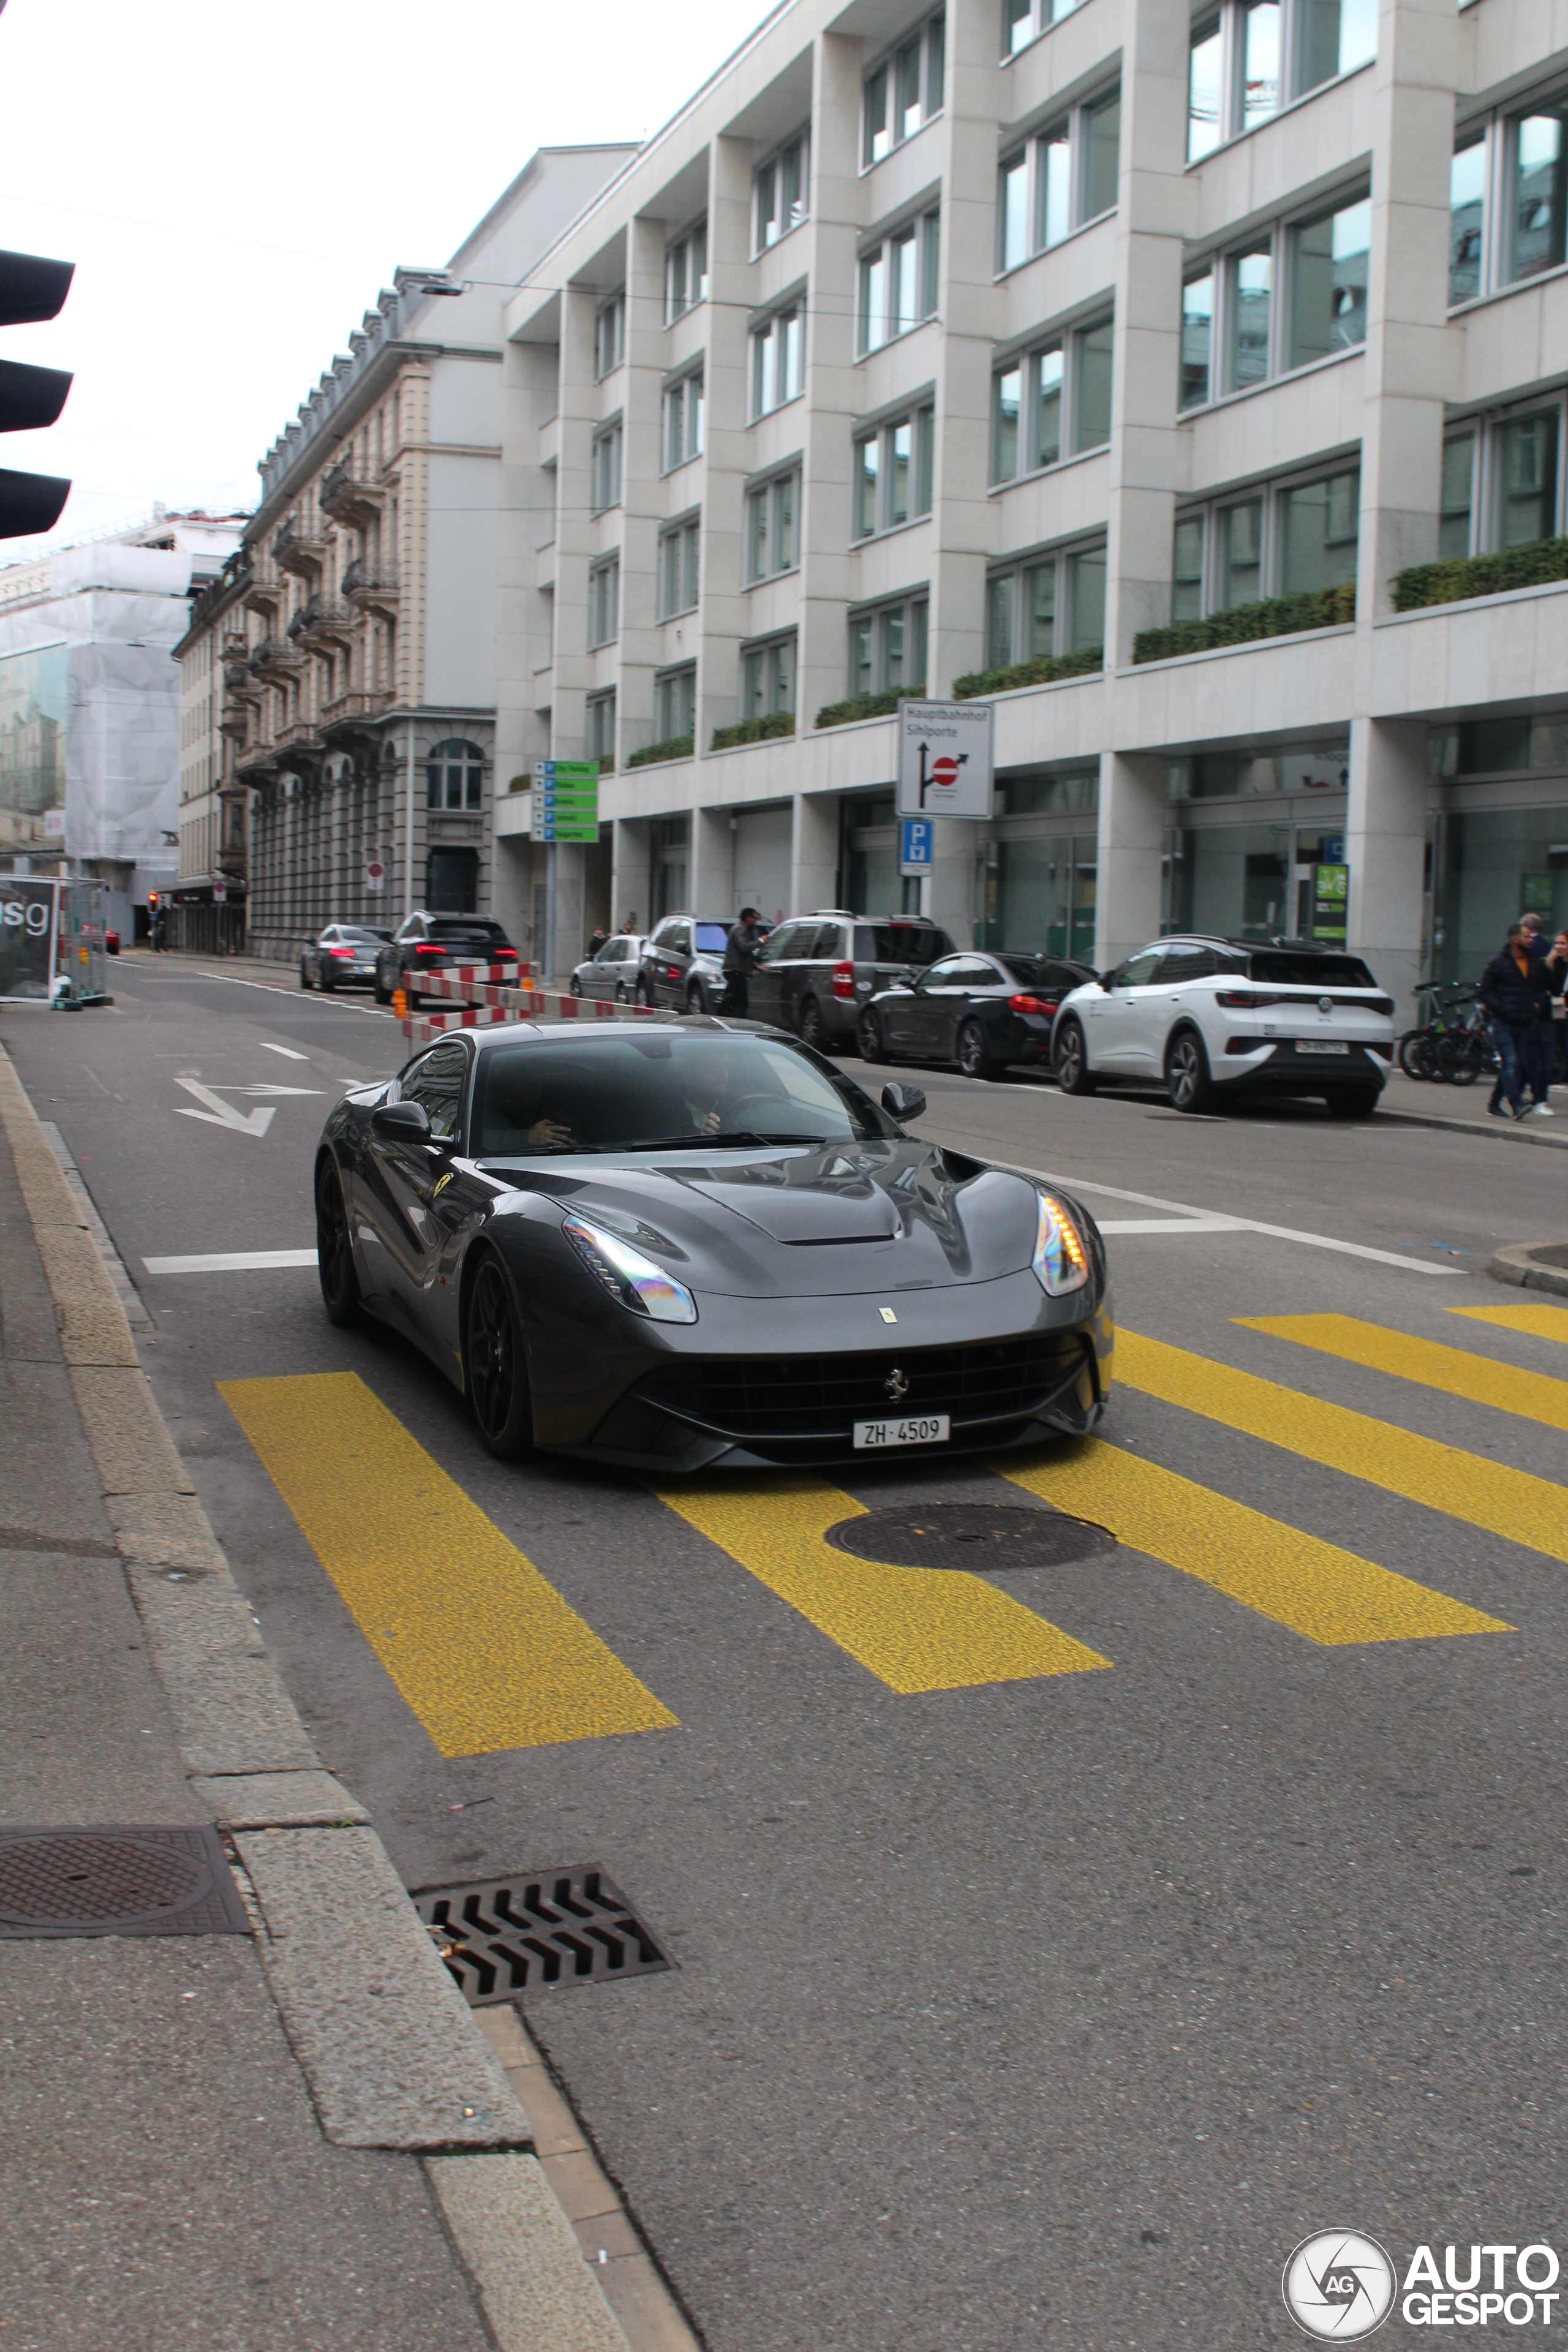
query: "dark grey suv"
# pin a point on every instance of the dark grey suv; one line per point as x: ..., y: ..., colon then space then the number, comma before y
x: 816, y: 971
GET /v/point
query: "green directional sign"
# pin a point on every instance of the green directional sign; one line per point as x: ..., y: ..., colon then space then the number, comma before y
x: 566, y: 800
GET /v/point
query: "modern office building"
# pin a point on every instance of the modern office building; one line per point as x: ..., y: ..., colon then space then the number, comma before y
x: 338, y: 678
x: 1191, y: 385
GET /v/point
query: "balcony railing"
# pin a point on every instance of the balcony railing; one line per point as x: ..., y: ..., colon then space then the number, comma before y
x: 371, y: 592
x: 348, y: 498
x: 322, y: 621
x: 270, y: 658
x: 297, y: 552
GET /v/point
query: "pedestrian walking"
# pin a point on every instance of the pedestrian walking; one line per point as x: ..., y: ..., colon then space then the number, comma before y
x: 1513, y: 992
x: 740, y: 950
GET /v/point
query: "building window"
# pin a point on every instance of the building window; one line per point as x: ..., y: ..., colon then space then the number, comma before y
x: 455, y: 775
x: 1467, y: 218
x: 1024, y: 21
x: 1285, y: 541
x: 777, y: 359
x: 686, y: 273
x: 605, y: 468
x: 603, y: 602
x: 904, y: 91
x: 1538, y: 186
x: 893, y: 472
x: 675, y: 697
x: 1053, y: 403
x: 1046, y: 606
x: 610, y: 333
x: 1295, y: 294
x: 677, y: 568
x: 781, y: 188
x: 899, y: 281
x: 599, y: 728
x: 772, y: 527
x: 767, y: 677
x: 1060, y: 180
x: 888, y: 648
x: 1250, y: 57
x: 683, y: 421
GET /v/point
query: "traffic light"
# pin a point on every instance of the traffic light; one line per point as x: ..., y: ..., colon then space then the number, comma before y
x: 31, y: 288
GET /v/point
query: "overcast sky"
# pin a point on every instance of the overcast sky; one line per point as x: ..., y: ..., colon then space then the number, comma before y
x: 236, y: 185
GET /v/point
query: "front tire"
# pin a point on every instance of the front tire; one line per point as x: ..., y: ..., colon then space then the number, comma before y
x: 1074, y: 1076
x: 1187, y: 1079
x: 975, y: 1057
x: 381, y: 995
x: 304, y: 975
x: 868, y: 1039
x: 1352, y: 1102
x: 494, y: 1372
x: 334, y: 1247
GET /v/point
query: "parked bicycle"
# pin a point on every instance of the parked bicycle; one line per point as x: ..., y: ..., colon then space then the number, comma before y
x: 1453, y: 1046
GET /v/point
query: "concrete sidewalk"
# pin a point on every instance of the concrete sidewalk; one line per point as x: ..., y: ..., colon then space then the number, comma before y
x: 294, y: 2137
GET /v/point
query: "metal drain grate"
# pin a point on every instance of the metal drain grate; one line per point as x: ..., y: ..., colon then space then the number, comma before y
x: 537, y: 1929
x: 117, y: 1882
x: 981, y: 1536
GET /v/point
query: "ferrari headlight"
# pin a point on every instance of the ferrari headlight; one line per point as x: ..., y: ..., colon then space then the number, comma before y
x: 629, y: 1276
x: 1061, y: 1256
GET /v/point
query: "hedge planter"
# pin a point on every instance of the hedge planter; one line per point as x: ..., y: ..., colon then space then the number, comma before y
x: 674, y: 747
x: 1480, y: 575
x: 1043, y: 671
x: 1243, y: 625
x: 754, y: 730
x: 867, y: 705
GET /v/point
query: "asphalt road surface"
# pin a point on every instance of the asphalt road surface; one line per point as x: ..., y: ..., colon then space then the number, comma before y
x: 1046, y: 2010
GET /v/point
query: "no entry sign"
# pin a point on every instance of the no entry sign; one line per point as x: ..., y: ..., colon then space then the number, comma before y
x: 944, y: 759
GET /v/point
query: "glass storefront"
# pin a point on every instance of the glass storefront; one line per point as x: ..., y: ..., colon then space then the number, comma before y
x: 1490, y: 866
x: 1038, y: 871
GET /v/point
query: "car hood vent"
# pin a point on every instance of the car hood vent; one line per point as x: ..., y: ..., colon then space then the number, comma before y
x: 858, y: 1210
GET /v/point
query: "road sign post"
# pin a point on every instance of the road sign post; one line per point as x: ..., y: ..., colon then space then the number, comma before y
x: 565, y: 808
x: 945, y: 760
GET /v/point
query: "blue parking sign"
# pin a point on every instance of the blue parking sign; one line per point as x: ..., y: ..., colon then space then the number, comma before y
x: 914, y: 845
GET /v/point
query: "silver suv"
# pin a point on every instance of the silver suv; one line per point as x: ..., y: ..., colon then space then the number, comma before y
x: 1211, y: 1018
x: 817, y: 971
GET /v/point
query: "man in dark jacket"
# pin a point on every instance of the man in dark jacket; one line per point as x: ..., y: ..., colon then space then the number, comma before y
x: 741, y: 961
x: 1542, y: 1054
x: 1513, y: 996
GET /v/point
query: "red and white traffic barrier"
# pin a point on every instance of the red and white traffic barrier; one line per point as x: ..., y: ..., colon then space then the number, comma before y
x: 501, y: 1005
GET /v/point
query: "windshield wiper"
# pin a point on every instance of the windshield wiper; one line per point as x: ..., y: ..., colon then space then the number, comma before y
x: 717, y: 1141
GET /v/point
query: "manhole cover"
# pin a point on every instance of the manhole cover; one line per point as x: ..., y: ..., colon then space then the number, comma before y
x: 538, y: 1929
x: 969, y: 1535
x: 117, y: 1882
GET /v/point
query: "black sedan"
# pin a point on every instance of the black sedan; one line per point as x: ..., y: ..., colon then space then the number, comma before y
x: 429, y: 943
x: 669, y: 1244
x: 983, y: 1011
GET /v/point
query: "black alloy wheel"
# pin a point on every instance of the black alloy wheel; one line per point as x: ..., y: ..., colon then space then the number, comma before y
x: 1187, y: 1079
x: 645, y: 994
x: 381, y: 993
x: 493, y: 1366
x: 1074, y: 1076
x: 304, y: 974
x: 869, y: 1038
x: 810, y: 1024
x: 695, y: 1000
x: 1352, y: 1102
x: 334, y: 1247
x: 975, y: 1056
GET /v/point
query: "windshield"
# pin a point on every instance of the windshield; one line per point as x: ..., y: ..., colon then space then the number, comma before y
x: 1044, y: 972
x: 911, y: 944
x: 664, y: 1087
x: 465, y: 928
x: 358, y: 932
x: 1287, y: 970
x: 711, y: 939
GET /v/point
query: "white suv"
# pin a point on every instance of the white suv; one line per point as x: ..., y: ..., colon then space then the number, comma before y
x: 1209, y: 1018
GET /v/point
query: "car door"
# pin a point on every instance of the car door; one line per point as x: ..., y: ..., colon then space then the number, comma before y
x: 674, y: 964
x: 1167, y: 998
x: 402, y: 1180
x: 1112, y: 1012
x: 931, y: 1009
x: 910, y: 1023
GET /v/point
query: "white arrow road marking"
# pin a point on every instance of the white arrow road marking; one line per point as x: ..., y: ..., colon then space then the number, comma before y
x: 274, y: 1090
x: 221, y: 1113
x: 286, y: 1050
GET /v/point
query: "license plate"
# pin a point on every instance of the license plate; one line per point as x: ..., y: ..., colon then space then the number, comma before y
x: 921, y: 1429
x: 1317, y: 1045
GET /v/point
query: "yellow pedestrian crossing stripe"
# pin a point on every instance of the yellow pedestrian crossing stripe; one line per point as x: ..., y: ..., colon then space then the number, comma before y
x: 916, y: 1628
x: 1489, y: 1495
x: 1329, y: 1595
x: 1479, y: 1379
x: 483, y: 1649
x: 1540, y: 1322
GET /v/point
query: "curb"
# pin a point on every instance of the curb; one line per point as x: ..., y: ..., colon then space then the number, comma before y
x: 1491, y: 1131
x: 389, y: 2048
x: 1521, y: 1264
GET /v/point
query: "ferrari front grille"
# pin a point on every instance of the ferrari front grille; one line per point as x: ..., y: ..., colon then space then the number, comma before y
x: 822, y: 1396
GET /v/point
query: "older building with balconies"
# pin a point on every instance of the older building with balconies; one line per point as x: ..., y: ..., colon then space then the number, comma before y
x: 342, y: 672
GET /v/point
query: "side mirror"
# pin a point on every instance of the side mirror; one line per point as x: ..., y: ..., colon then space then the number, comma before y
x: 401, y: 1122
x: 1106, y: 979
x: 903, y: 1102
